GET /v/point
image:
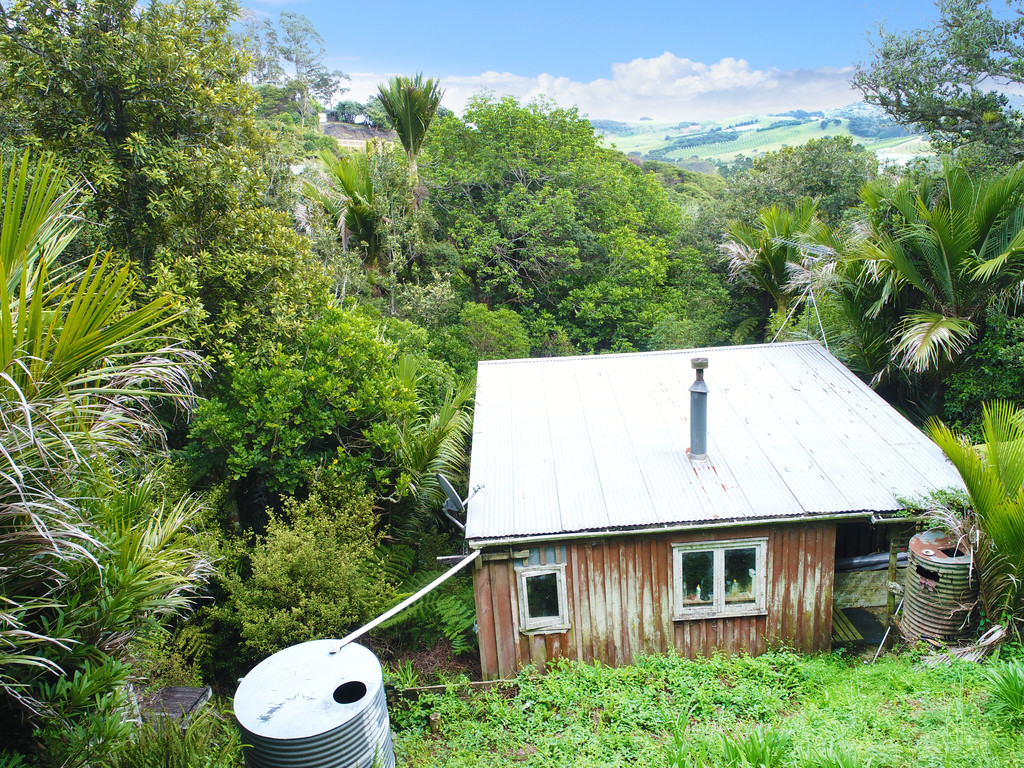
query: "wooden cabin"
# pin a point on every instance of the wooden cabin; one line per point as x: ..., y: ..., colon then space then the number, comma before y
x: 604, y: 534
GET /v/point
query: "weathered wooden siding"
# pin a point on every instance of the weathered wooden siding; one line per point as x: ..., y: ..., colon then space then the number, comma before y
x: 620, y: 600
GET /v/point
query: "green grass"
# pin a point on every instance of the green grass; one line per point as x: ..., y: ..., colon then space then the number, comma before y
x: 779, y: 709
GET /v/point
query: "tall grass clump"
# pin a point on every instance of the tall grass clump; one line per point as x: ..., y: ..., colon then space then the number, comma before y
x: 762, y: 747
x: 835, y: 756
x: 687, y: 750
x: 1005, y: 683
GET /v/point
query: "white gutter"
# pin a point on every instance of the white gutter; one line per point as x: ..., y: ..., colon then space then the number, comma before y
x: 407, y: 602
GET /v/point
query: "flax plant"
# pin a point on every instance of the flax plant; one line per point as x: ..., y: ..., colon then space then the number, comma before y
x: 81, y: 367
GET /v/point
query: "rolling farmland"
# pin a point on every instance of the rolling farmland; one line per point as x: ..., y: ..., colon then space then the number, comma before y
x: 661, y: 141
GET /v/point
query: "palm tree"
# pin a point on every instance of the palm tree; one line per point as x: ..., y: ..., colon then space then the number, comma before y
x: 942, y: 254
x: 766, y: 255
x: 430, y: 441
x: 411, y: 104
x: 994, y: 477
x: 79, y: 369
x: 351, y: 203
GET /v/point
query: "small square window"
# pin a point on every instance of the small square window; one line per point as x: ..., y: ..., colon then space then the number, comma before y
x: 542, y: 598
x: 721, y: 578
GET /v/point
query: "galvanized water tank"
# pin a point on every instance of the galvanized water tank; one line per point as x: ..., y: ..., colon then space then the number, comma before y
x: 306, y: 707
x: 940, y: 588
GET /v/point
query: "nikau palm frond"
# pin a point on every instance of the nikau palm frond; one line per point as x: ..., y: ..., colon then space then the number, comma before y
x: 924, y: 338
x: 411, y: 104
x: 768, y: 255
x: 994, y: 478
x: 350, y: 204
x: 944, y: 252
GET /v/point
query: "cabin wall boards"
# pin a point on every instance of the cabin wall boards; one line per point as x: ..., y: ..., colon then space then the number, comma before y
x: 621, y: 597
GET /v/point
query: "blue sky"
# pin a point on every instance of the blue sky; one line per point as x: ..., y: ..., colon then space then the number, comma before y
x: 670, y: 61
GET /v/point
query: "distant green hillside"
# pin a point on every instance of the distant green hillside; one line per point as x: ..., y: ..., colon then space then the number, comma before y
x: 750, y: 135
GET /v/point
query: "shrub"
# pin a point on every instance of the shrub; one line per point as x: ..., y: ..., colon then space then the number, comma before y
x: 496, y: 334
x: 992, y: 369
x: 315, y: 574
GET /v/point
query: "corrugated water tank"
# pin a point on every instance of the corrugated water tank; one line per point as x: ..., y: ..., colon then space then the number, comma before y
x: 940, y: 588
x: 309, y: 707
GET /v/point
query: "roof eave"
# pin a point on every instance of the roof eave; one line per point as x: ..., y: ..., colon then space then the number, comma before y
x: 746, y: 522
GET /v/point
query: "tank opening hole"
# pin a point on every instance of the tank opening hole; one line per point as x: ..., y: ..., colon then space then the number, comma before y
x: 922, y: 572
x: 350, y: 692
x: 953, y: 552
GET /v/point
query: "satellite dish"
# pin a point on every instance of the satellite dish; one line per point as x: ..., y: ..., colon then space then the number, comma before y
x: 455, y: 504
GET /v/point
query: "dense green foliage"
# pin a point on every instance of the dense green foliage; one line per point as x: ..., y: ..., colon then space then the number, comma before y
x: 145, y: 102
x: 991, y: 369
x: 829, y: 170
x: 575, y: 238
x: 92, y: 556
x: 329, y: 398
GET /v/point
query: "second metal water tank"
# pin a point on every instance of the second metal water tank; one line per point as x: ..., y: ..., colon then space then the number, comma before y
x: 940, y: 588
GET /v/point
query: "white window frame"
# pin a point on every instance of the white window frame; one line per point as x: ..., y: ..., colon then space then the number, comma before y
x: 543, y: 624
x: 719, y: 608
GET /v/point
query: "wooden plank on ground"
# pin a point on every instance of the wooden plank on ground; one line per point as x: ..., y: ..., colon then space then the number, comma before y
x: 843, y: 630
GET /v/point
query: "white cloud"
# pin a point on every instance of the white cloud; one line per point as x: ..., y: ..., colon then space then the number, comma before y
x: 665, y: 88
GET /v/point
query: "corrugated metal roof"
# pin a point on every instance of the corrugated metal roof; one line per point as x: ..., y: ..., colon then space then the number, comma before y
x: 599, y: 444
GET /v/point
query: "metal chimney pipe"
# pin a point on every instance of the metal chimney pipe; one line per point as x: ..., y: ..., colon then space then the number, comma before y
x: 699, y: 411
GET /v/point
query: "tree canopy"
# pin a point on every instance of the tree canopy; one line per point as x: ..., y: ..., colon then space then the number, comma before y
x: 146, y: 102
x: 952, y: 79
x: 548, y: 222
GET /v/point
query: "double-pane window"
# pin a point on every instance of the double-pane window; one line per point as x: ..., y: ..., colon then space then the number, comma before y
x: 722, y: 578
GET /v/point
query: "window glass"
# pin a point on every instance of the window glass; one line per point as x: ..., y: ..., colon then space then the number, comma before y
x: 542, y: 595
x: 719, y: 578
x: 698, y: 578
x: 740, y: 575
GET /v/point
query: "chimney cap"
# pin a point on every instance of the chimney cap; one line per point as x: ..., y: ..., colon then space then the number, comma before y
x: 699, y: 363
